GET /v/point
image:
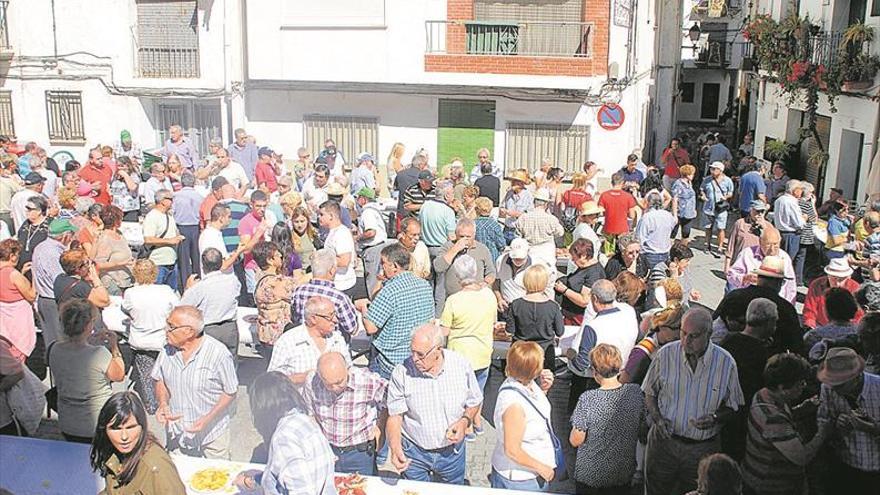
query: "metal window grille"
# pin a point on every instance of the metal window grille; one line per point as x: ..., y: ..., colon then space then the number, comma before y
x: 167, y: 39
x: 352, y: 135
x: 7, y: 123
x: 200, y: 121
x: 64, y: 112
x: 4, y: 28
x: 529, y: 143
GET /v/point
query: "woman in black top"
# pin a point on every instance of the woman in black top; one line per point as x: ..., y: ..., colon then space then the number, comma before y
x: 535, y: 317
x: 627, y: 256
x: 575, y: 288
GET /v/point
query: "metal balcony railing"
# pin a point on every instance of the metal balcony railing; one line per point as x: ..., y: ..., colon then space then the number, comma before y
x: 538, y: 39
x: 4, y: 30
x: 824, y: 47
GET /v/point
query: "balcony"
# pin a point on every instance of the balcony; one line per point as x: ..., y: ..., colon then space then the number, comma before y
x: 824, y: 47
x: 6, y: 52
x: 529, y: 39
x: 728, y: 9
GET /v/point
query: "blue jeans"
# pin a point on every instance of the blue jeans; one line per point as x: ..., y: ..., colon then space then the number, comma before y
x: 791, y: 242
x: 355, y: 461
x: 167, y: 276
x: 652, y: 259
x: 532, y: 485
x: 446, y: 465
x: 482, y: 376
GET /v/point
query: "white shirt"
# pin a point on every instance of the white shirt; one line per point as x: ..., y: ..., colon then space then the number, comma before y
x: 50, y: 187
x: 235, y: 174
x: 17, y: 207
x: 371, y: 218
x: 787, y: 214
x: 296, y: 352
x: 340, y: 240
x: 148, y: 306
x: 212, y: 238
x: 536, y: 437
x: 152, y: 186
x: 313, y: 196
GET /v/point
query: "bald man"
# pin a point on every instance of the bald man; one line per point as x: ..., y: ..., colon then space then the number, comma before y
x: 742, y: 272
x: 348, y: 402
x: 195, y: 384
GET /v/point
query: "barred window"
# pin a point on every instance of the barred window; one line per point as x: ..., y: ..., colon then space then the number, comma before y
x: 352, y: 135
x: 64, y: 112
x: 7, y: 124
x: 529, y: 143
x: 167, y: 38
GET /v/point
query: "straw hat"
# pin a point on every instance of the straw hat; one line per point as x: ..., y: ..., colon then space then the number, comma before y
x: 841, y: 365
x: 519, y: 175
x: 334, y: 189
x: 771, y: 267
x: 541, y: 195
x: 591, y: 208
x: 839, y: 267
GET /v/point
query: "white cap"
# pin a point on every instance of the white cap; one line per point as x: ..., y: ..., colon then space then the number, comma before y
x: 519, y: 249
x: 718, y: 165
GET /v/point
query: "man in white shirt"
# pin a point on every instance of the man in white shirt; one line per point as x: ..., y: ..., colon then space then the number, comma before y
x: 482, y: 158
x: 231, y: 171
x: 212, y: 237
x: 363, y: 176
x: 33, y: 186
x: 340, y: 240
x: 787, y: 217
x: 158, y: 180
x: 313, y: 190
x: 371, y: 221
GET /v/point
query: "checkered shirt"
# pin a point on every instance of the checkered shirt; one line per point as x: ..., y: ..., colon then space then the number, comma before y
x: 857, y: 449
x: 300, y: 459
x: 491, y: 234
x: 345, y: 310
x: 347, y: 418
x: 295, y: 351
x: 404, y: 303
x: 538, y: 227
x: 429, y: 404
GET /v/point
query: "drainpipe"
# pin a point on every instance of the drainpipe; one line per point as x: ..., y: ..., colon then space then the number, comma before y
x: 54, y: 33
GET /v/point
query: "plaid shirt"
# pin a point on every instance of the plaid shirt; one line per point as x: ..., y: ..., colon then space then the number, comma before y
x: 347, y: 418
x: 300, y: 460
x: 538, y: 227
x: 404, y: 303
x: 490, y: 233
x: 856, y: 449
x: 345, y: 310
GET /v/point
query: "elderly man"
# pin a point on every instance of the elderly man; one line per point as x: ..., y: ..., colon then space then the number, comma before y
x: 180, y: 145
x: 405, y: 179
x: 348, y: 403
x: 410, y: 238
x: 691, y: 391
x: 186, y: 215
x: 158, y: 180
x: 788, y: 219
x: 850, y: 400
x: 128, y: 148
x: 46, y: 266
x: 778, y: 182
x: 654, y: 231
x: 751, y: 351
x: 517, y: 201
x: 216, y: 296
x: 731, y: 311
x: 483, y: 160
x: 417, y: 194
x: 297, y: 351
x: 433, y: 397
x: 837, y: 274
x: 371, y: 220
x: 437, y: 218
x: 465, y: 245
x: 333, y: 158
x: 195, y: 385
x: 510, y: 270
x: 162, y: 237
x: 10, y: 184
x: 364, y: 175
x: 540, y: 229
x: 33, y: 187
x: 321, y: 284
x: 488, y: 184
x: 98, y: 176
x: 611, y: 325
x: 403, y: 303
x: 746, y: 232
x: 243, y: 151
x: 742, y: 272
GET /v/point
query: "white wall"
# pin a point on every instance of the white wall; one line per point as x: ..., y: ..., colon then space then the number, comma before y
x: 690, y: 112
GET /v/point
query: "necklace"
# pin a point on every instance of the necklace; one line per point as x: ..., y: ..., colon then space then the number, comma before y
x: 32, y: 231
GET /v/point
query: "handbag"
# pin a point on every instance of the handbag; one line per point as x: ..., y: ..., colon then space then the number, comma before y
x: 720, y: 206
x: 52, y: 393
x: 558, y: 453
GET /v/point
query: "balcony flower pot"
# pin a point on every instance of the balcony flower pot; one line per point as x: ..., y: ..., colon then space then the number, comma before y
x: 853, y: 86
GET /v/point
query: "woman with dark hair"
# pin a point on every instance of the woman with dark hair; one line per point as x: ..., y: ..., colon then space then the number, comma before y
x: 300, y: 459
x: 83, y: 370
x: 124, y: 189
x: 653, y: 182
x: 128, y: 457
x: 869, y: 340
x: 841, y: 308
x: 112, y: 253
x: 91, y: 227
x: 575, y: 288
x: 718, y: 474
x: 283, y: 238
x: 680, y: 256
x: 305, y: 237
x: 272, y: 292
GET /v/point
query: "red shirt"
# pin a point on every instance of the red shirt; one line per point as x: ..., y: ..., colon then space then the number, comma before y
x: 574, y: 198
x: 617, y: 204
x: 673, y: 159
x: 814, y: 304
x: 205, y: 209
x: 91, y: 173
x: 264, y: 173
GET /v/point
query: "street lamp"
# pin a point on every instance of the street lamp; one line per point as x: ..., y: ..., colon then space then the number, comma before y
x: 694, y: 35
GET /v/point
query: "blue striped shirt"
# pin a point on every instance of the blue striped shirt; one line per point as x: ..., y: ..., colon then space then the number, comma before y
x: 684, y: 394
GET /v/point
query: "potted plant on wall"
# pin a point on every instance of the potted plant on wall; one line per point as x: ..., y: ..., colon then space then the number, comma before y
x: 856, y: 67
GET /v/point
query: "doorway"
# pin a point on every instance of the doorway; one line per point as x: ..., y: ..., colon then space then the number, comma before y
x: 849, y: 163
x: 709, y: 103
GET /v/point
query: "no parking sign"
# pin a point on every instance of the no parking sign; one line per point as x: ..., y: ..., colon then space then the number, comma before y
x: 610, y: 116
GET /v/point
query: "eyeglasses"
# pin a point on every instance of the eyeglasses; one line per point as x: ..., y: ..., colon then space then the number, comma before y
x: 419, y: 356
x: 171, y: 328
x: 331, y: 317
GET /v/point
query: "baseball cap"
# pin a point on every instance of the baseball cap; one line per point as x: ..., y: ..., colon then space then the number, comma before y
x: 365, y: 157
x: 367, y: 193
x: 265, y: 150
x: 718, y: 165
x: 519, y: 248
x: 426, y: 175
x: 758, y: 204
x: 60, y: 226
x: 33, y: 178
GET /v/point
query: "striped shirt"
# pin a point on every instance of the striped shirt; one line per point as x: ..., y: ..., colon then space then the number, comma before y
x: 857, y: 449
x: 764, y: 466
x: 195, y: 387
x: 342, y: 305
x: 347, y: 418
x: 300, y: 459
x: 429, y: 404
x: 807, y: 209
x: 415, y: 195
x: 684, y: 394
x: 404, y: 303
x: 296, y: 352
x: 238, y: 210
x: 46, y: 263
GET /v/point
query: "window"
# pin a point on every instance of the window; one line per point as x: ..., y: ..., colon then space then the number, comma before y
x: 7, y: 124
x: 200, y: 120
x: 167, y: 38
x: 352, y: 135
x: 64, y: 112
x: 687, y: 92
x: 529, y: 143
x: 875, y: 8
x: 541, y: 27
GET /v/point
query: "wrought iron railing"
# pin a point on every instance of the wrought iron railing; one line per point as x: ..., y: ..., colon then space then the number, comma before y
x: 824, y: 47
x: 541, y: 39
x: 4, y: 29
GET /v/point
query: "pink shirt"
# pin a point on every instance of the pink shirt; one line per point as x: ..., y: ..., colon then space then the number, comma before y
x: 246, y: 227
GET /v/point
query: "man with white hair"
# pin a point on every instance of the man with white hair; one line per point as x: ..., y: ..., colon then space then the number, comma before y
x: 162, y: 237
x: 540, y: 228
x: 46, y: 266
x: 243, y: 151
x: 483, y: 158
x: 433, y: 398
x: 510, y: 270
x: 654, y: 231
x: 364, y: 175
x: 195, y: 385
x: 321, y: 284
x: 788, y: 219
x: 180, y: 145
x: 297, y: 351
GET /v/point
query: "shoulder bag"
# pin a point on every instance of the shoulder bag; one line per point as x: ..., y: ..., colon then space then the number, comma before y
x: 145, y: 251
x: 557, y: 445
x: 722, y: 205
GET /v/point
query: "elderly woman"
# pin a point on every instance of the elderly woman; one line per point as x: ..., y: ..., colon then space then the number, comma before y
x: 17, y: 297
x: 807, y: 251
x: 535, y: 317
x: 718, y: 474
x: 147, y: 305
x: 467, y: 207
x: 684, y: 201
x: 488, y: 231
x: 524, y: 458
x: 272, y: 294
x: 83, y: 369
x: 627, y: 258
x: 575, y: 288
x: 80, y: 280
x: 469, y: 315
x: 605, y: 427
x: 66, y: 203
x: 112, y: 253
x: 124, y: 189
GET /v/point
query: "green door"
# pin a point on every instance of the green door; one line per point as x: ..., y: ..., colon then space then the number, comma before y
x: 465, y: 126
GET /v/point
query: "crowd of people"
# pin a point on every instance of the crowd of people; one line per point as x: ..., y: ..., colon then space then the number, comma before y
x: 382, y: 291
